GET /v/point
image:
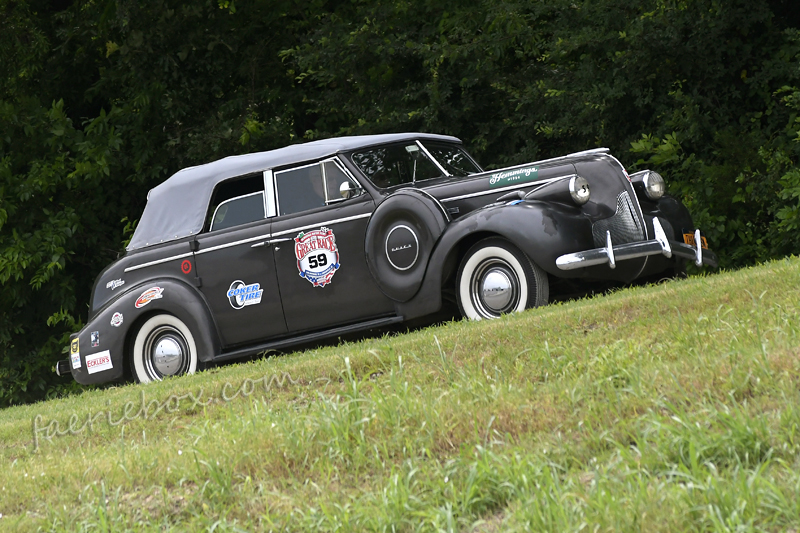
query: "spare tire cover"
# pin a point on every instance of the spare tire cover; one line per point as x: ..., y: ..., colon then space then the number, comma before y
x: 399, y: 240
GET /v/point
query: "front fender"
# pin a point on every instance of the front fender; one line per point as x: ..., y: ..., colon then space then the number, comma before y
x: 98, y: 355
x: 543, y: 230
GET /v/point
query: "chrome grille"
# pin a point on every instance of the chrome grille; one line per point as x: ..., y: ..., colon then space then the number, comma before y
x: 623, y: 225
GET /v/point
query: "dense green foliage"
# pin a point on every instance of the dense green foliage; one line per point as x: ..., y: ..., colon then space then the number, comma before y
x: 100, y: 100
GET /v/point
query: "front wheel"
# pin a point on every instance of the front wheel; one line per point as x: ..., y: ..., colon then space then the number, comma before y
x: 496, y: 278
x: 164, y: 346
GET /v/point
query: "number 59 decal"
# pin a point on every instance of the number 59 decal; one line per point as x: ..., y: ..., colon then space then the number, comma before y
x: 317, y: 256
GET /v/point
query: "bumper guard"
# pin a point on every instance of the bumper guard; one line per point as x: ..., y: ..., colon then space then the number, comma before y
x: 660, y: 245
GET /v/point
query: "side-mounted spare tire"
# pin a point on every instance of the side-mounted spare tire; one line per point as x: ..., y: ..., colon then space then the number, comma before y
x: 399, y: 241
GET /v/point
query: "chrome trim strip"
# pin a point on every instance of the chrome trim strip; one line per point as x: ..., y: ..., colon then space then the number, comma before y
x: 555, y: 159
x: 386, y: 247
x: 235, y: 243
x: 324, y: 223
x: 284, y: 232
x: 633, y: 193
x: 157, y: 262
x: 435, y: 200
x: 502, y: 189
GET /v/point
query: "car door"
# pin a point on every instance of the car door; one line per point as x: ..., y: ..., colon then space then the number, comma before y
x: 318, y: 242
x: 236, y: 266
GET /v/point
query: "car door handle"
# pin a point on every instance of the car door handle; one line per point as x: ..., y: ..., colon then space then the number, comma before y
x: 285, y: 239
x: 258, y: 244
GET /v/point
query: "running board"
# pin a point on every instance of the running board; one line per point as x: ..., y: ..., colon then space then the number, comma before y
x: 309, y: 337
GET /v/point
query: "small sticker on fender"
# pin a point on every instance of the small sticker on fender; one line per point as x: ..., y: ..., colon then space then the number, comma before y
x: 98, y: 362
x: 153, y: 293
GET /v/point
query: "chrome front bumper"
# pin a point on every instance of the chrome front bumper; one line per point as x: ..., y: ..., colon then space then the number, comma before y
x: 660, y: 245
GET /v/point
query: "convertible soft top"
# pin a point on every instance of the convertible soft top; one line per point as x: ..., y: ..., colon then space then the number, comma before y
x: 177, y: 207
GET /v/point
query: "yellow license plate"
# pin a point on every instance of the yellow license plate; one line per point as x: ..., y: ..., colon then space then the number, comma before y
x: 688, y: 238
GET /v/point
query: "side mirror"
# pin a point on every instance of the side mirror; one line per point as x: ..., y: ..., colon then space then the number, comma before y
x: 349, y: 190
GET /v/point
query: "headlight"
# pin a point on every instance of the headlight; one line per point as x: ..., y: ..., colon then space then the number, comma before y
x: 654, y: 185
x: 579, y: 190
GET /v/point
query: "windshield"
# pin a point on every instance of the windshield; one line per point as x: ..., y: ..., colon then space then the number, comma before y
x: 399, y: 164
x: 453, y: 158
x: 395, y: 164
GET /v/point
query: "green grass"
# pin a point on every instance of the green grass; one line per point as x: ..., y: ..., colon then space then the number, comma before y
x: 673, y: 407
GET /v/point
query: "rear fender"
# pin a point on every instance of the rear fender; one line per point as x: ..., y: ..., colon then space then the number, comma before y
x: 104, y: 339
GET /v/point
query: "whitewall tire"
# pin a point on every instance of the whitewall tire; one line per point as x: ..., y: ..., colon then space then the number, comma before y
x: 496, y: 278
x: 164, y: 346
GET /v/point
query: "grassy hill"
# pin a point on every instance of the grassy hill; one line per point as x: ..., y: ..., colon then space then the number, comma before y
x: 664, y: 408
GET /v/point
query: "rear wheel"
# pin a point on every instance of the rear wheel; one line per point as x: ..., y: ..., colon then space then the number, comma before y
x: 496, y: 278
x: 164, y: 346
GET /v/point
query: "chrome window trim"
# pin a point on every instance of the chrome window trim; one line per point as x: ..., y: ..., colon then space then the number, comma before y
x: 270, y: 205
x: 461, y: 148
x: 214, y: 216
x: 435, y: 162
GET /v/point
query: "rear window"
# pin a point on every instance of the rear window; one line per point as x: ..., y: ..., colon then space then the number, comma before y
x: 236, y: 202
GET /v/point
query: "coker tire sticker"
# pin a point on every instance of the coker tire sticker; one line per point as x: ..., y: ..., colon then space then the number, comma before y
x: 241, y: 294
x: 317, y: 256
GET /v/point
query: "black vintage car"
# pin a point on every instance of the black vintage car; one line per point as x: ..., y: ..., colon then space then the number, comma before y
x: 266, y: 250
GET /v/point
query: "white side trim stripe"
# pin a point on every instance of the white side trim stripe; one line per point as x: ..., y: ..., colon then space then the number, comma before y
x: 251, y: 239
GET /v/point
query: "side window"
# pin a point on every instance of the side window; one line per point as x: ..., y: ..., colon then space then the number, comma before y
x: 236, y: 202
x: 395, y: 164
x: 335, y: 177
x: 309, y: 187
x: 300, y: 189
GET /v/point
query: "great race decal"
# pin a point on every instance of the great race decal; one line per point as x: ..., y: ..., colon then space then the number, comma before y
x: 317, y: 256
x: 512, y: 177
x: 116, y: 320
x: 240, y: 294
x: 153, y: 293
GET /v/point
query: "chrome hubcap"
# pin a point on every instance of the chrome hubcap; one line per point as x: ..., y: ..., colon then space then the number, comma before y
x: 166, y: 352
x: 495, y: 288
x: 167, y: 356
